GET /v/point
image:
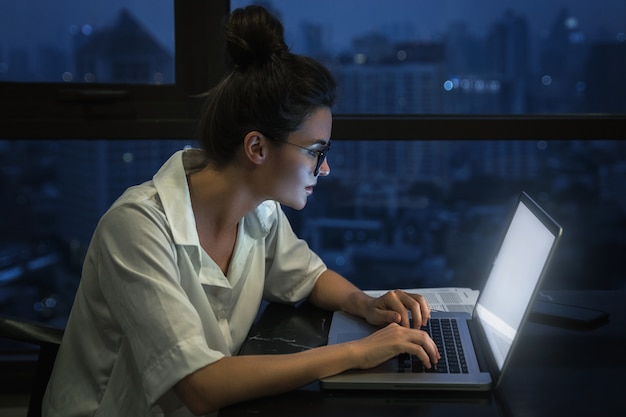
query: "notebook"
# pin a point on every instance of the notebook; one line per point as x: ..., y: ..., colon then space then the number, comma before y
x: 483, y: 340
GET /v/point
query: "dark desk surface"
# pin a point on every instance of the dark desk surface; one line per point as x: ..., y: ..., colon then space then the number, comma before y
x: 555, y: 371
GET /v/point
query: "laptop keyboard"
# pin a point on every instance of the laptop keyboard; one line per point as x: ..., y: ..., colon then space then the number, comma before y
x: 445, y: 334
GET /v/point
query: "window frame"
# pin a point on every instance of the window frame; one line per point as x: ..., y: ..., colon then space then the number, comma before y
x: 122, y: 111
x: 49, y: 110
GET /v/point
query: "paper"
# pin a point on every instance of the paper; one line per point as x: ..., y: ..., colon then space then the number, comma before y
x: 442, y: 299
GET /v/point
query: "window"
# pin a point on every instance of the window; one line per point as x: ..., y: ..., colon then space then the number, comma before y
x: 53, y: 194
x: 93, y: 42
x: 465, y: 57
x: 393, y: 213
x: 423, y: 163
x: 400, y: 213
x: 70, y: 69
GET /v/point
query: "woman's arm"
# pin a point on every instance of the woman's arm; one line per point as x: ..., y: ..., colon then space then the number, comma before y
x: 334, y: 292
x: 240, y: 378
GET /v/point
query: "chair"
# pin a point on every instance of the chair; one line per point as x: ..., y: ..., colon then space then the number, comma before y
x: 48, y: 339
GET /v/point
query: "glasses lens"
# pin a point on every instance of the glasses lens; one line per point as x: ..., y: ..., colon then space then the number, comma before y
x: 320, y: 161
x: 321, y: 156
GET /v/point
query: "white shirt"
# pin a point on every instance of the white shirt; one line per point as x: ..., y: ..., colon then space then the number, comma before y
x: 152, y: 307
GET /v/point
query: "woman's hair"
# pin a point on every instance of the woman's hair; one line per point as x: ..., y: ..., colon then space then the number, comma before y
x: 269, y: 89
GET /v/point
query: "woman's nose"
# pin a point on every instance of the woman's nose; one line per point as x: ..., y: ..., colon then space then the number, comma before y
x: 324, y: 168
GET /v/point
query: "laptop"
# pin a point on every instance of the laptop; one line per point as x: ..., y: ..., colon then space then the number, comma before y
x: 482, y: 342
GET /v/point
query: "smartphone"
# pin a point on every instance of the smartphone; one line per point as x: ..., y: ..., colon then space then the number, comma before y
x: 565, y: 315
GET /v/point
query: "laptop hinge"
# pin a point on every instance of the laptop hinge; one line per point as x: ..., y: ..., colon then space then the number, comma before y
x: 480, y: 345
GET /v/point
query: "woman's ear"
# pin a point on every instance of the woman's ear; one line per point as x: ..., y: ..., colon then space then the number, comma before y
x: 254, y: 147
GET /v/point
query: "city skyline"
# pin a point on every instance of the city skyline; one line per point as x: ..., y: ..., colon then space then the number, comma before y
x: 23, y: 24
x: 432, y: 19
x: 516, y: 69
x: 418, y: 209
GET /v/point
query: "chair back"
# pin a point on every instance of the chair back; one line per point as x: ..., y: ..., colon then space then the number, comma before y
x: 48, y: 339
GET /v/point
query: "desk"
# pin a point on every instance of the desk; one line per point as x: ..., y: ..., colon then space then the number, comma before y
x: 555, y: 371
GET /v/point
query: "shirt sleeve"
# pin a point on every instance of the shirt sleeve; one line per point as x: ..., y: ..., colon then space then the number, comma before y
x: 140, y: 281
x: 292, y: 268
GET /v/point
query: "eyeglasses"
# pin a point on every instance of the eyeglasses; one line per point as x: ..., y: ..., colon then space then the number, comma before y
x: 319, y: 153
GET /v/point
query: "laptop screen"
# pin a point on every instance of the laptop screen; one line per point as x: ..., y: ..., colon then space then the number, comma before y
x: 516, y: 271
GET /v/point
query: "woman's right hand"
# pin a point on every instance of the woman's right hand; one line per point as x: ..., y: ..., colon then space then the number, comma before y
x: 394, y: 340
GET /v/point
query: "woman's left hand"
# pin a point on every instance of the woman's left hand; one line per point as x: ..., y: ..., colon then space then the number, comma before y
x: 394, y: 307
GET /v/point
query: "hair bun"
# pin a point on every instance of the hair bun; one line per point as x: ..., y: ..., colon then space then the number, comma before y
x: 253, y: 36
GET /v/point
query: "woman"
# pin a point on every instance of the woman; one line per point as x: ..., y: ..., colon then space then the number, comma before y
x: 178, y: 266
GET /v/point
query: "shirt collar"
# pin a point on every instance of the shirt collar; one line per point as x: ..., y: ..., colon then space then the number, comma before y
x: 171, y: 185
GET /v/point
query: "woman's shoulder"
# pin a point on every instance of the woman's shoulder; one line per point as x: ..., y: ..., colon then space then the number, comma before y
x: 137, y: 204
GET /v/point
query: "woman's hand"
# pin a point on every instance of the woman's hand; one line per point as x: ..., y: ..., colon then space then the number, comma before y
x: 393, y: 307
x: 394, y: 340
x: 333, y: 292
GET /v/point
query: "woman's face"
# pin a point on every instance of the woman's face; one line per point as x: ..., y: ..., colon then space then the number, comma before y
x: 295, y: 166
